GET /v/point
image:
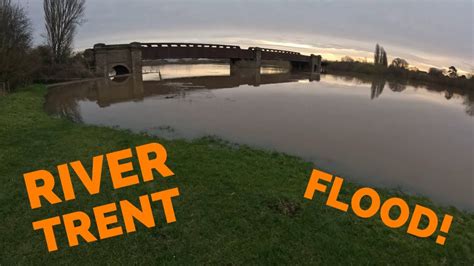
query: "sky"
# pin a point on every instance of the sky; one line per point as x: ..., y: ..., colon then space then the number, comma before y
x: 425, y: 33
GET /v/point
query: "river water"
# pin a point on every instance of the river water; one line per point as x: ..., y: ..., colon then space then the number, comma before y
x: 384, y: 134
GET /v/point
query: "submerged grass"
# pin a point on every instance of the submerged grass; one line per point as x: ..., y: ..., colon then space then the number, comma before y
x: 238, y: 205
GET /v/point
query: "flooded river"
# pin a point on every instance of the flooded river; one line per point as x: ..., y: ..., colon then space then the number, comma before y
x: 378, y: 133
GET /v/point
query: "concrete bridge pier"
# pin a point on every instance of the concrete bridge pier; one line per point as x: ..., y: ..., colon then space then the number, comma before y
x: 121, y: 59
x: 315, y: 63
x: 255, y: 62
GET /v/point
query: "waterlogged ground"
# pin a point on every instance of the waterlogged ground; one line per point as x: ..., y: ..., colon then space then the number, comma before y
x: 379, y: 133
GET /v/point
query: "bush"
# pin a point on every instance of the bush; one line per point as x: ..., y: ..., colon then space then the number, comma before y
x: 46, y: 70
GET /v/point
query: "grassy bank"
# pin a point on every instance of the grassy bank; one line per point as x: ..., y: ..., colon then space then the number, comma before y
x: 237, y: 204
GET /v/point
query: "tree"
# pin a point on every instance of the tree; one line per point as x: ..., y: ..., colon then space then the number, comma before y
x: 399, y: 63
x: 383, y: 61
x: 452, y: 72
x: 436, y: 72
x: 377, y: 54
x: 62, y: 18
x: 380, y: 56
x: 347, y: 59
x: 15, y: 41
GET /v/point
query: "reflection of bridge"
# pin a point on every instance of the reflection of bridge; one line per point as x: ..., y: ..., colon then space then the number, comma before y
x: 63, y: 100
x: 132, y: 88
x: 127, y: 58
x: 236, y: 79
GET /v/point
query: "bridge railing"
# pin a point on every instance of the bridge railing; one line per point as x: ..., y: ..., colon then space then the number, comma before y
x: 188, y: 45
x: 274, y: 51
x: 204, y: 45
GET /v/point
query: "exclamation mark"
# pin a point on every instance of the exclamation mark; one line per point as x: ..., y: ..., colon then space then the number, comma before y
x: 445, y: 225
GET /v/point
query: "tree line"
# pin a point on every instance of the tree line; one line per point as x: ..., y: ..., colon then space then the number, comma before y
x: 380, y: 59
x: 399, y: 67
x: 397, y: 64
x: 20, y: 61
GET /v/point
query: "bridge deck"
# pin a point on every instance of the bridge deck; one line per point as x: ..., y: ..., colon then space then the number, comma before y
x: 154, y: 51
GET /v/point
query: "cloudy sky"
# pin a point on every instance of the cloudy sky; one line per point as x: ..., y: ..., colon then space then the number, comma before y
x: 426, y: 33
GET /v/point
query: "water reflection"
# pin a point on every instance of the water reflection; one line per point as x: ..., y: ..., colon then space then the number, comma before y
x: 409, y: 136
x: 397, y: 86
x: 378, y: 84
x: 169, y: 71
x: 172, y: 81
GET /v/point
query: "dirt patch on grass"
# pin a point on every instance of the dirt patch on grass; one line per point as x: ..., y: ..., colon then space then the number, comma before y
x: 285, y: 207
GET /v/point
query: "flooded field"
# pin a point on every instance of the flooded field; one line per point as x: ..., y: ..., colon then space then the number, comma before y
x: 378, y: 133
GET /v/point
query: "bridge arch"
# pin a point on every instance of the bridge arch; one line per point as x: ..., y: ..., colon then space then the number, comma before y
x: 119, y: 70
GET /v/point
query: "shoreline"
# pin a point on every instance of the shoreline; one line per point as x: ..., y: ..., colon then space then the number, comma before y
x: 229, y: 201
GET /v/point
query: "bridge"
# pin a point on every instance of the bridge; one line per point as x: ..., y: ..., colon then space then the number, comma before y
x: 127, y: 58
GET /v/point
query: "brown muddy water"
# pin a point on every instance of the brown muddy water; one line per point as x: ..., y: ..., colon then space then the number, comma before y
x: 378, y: 133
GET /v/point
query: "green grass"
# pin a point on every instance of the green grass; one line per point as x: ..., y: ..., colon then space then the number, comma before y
x: 238, y: 205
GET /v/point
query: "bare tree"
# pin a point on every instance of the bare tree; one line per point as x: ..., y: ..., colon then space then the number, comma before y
x: 62, y: 18
x: 347, y: 59
x: 15, y: 41
x: 399, y: 63
x: 452, y: 72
